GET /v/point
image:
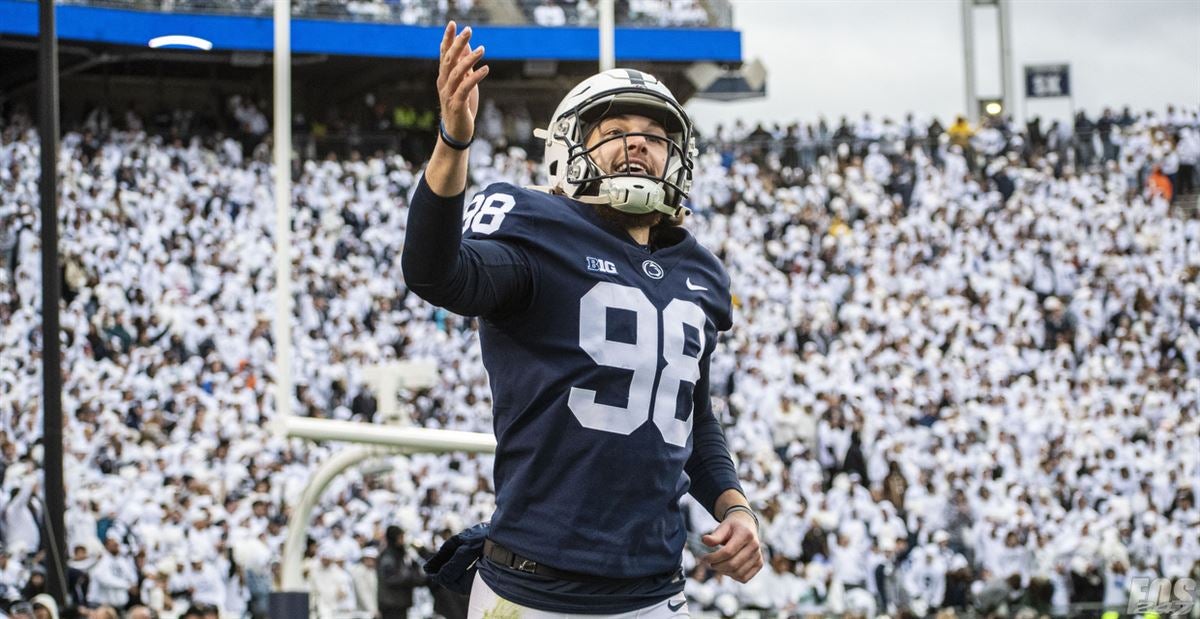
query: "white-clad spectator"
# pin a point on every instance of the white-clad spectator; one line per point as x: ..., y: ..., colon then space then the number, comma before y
x: 344, y: 546
x: 1179, y: 554
x: 925, y: 578
x: 1116, y: 585
x: 202, y: 579
x: 12, y: 577
x: 114, y: 576
x: 156, y: 591
x: 366, y: 581
x: 876, y: 165
x: 331, y: 584
x: 848, y: 558
x: 1009, y: 557
x: 549, y: 13
x: 20, y: 522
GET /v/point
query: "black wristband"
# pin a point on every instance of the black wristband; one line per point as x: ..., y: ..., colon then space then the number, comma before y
x: 451, y: 142
x: 741, y: 508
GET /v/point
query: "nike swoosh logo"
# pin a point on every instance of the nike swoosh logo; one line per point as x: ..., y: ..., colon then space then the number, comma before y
x: 674, y: 607
x: 691, y: 286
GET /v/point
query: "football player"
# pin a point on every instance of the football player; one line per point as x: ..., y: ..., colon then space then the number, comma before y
x: 599, y: 315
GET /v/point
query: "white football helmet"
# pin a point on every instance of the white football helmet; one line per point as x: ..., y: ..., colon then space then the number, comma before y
x: 619, y: 91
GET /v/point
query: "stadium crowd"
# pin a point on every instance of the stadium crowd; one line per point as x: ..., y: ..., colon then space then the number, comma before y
x: 548, y: 13
x: 649, y: 13
x: 410, y: 12
x: 964, y: 375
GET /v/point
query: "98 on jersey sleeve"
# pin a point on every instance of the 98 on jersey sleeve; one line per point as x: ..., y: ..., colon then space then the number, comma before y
x: 595, y: 383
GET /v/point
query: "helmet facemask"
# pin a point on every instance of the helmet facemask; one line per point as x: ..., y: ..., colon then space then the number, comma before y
x: 632, y: 191
x: 572, y: 165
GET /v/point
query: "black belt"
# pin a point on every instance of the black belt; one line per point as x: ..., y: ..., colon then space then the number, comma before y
x: 502, y: 556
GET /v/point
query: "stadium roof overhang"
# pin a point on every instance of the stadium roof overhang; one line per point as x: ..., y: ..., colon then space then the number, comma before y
x: 728, y: 84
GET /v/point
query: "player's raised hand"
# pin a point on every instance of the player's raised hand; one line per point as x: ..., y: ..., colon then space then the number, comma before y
x: 740, y: 555
x: 458, y: 82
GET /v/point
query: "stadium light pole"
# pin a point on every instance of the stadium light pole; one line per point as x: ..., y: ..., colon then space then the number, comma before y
x: 968, y: 37
x: 608, y: 54
x: 1004, y: 40
x: 1004, y: 17
x: 284, y: 604
x: 54, y: 503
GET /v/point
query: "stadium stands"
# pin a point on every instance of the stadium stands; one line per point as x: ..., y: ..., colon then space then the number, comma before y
x: 650, y: 13
x: 690, y: 13
x: 964, y: 373
x: 426, y: 12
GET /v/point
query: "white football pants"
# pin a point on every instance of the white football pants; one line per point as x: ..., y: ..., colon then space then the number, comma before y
x: 486, y: 604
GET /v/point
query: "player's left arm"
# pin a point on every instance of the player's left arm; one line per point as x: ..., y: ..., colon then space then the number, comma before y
x: 715, y: 485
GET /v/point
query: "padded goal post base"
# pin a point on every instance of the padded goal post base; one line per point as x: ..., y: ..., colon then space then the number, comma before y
x: 289, y: 605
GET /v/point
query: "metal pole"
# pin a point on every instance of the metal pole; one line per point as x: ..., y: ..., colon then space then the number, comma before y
x: 608, y: 56
x: 425, y: 440
x: 283, y: 209
x: 1009, y: 95
x: 968, y: 36
x: 284, y: 604
x: 386, y: 440
x: 52, y: 419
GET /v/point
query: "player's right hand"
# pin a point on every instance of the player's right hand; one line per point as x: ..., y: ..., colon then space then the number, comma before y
x: 458, y: 82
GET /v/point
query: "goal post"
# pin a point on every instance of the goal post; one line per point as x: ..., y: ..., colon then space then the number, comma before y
x: 369, y: 441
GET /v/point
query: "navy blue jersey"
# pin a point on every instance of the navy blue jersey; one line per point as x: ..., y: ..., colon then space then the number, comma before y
x: 599, y: 376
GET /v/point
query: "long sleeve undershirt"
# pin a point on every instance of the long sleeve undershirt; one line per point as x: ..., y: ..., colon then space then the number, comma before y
x: 469, y: 278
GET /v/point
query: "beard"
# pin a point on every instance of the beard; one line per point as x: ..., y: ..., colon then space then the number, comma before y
x: 627, y: 220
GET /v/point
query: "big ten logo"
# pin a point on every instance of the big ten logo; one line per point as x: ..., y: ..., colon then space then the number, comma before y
x: 601, y: 266
x: 1162, y: 596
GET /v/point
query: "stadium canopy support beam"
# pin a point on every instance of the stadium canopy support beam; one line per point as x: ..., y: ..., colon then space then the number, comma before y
x: 608, y: 43
x: 1004, y: 17
x: 968, y: 38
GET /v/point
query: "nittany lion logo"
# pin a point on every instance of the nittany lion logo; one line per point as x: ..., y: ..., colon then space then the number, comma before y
x: 652, y: 270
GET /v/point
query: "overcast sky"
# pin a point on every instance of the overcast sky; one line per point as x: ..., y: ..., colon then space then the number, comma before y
x: 892, y: 56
